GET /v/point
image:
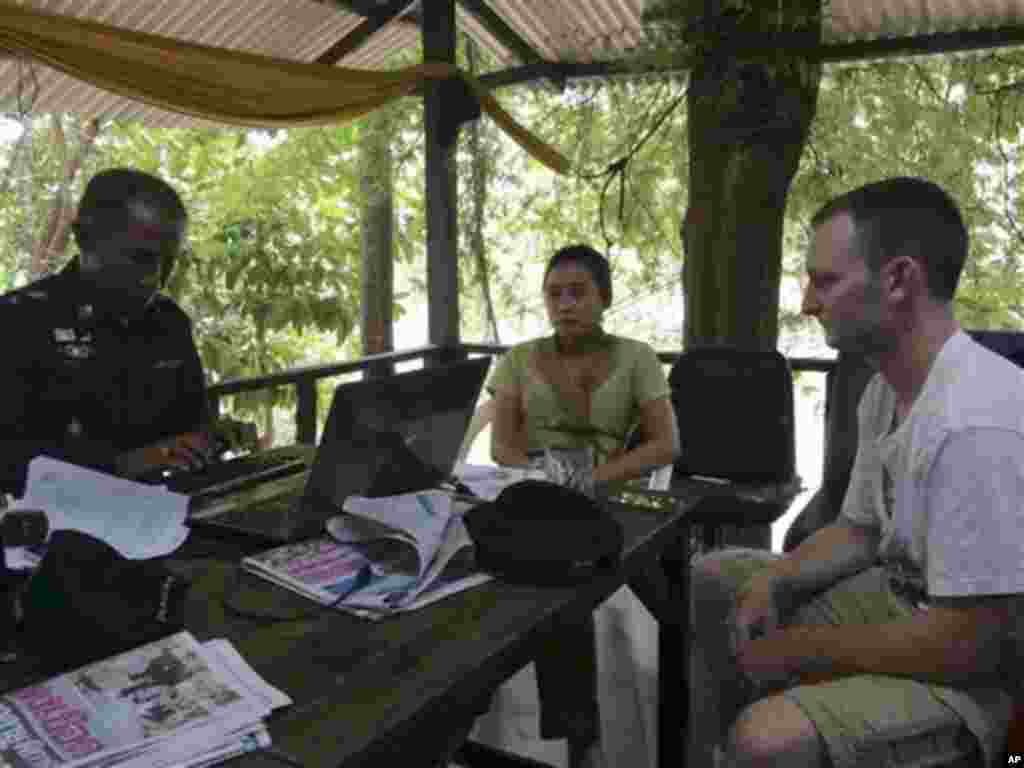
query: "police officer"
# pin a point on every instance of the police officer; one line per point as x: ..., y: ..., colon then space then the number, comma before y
x: 100, y: 369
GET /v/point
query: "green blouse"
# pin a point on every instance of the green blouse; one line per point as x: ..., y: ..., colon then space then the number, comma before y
x: 635, y: 377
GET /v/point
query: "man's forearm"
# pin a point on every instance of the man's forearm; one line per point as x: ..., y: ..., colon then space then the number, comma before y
x: 939, y: 646
x: 831, y: 554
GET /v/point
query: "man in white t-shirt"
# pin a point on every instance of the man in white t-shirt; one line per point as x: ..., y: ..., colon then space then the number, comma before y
x: 889, y: 637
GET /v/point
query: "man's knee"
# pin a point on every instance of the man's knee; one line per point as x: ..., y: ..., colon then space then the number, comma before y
x: 712, y: 569
x: 716, y: 574
x: 774, y: 731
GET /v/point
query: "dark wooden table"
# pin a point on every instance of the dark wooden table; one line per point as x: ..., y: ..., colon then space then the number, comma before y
x: 395, y: 692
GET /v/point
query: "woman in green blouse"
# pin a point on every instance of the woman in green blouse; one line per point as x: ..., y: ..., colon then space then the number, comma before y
x: 580, y: 387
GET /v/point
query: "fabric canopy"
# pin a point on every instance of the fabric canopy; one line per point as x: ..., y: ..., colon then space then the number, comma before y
x: 229, y: 86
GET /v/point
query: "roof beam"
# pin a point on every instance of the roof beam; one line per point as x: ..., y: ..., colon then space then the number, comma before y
x: 923, y: 45
x: 357, y: 37
x: 833, y: 53
x: 498, y: 27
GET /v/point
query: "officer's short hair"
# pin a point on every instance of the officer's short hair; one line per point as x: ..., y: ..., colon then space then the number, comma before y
x: 111, y: 191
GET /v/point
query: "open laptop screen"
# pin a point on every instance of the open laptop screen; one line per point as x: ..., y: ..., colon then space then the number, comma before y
x: 395, y: 434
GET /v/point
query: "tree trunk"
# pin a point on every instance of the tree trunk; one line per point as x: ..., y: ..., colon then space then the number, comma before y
x: 748, y: 123
x: 377, y: 282
x: 54, y: 239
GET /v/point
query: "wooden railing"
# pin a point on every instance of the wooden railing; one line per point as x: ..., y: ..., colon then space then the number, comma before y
x: 305, y: 379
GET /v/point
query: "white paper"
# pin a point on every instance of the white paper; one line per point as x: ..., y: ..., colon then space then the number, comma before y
x: 487, y: 482
x: 138, y: 520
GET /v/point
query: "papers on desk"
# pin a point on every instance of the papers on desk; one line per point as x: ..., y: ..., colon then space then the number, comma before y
x: 138, y: 520
x: 487, y: 482
x: 383, y: 556
x: 168, y: 704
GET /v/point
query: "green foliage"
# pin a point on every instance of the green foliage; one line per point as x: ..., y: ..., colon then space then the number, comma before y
x: 271, y: 272
x: 941, y: 118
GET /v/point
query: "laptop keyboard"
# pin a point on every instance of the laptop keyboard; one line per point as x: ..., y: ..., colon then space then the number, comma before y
x: 235, y: 474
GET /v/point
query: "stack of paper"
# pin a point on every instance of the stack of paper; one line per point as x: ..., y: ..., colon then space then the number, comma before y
x: 166, y: 704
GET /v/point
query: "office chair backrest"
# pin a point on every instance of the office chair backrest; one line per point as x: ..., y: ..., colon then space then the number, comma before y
x: 846, y: 383
x: 1009, y: 344
x: 735, y: 413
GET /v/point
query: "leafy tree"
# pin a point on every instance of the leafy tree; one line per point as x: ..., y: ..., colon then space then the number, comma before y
x: 274, y: 242
x: 44, y: 166
x: 947, y: 118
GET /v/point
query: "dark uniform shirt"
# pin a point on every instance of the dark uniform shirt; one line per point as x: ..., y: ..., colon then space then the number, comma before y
x: 82, y: 387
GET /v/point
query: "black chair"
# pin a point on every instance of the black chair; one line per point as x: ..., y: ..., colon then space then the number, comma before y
x: 736, y: 419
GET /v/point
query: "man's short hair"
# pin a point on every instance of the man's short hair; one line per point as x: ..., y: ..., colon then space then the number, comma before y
x: 906, y: 216
x: 591, y: 260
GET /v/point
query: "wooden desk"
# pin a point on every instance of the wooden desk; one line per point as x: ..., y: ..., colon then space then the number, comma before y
x: 391, y: 692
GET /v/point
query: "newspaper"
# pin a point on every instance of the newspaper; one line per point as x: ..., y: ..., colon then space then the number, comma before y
x: 169, y: 703
x: 383, y: 556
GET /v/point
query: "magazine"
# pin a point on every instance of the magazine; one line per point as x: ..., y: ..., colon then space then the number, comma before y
x: 169, y: 703
x: 488, y: 481
x: 382, y: 556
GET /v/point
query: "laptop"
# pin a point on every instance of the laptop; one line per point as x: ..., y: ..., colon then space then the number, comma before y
x: 384, y: 436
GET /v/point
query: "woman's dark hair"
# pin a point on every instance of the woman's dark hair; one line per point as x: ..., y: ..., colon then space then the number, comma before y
x: 590, y: 260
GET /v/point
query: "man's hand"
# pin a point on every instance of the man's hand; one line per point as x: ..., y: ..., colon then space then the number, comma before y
x: 756, y: 612
x: 772, y: 663
x: 757, y: 640
x: 190, y: 450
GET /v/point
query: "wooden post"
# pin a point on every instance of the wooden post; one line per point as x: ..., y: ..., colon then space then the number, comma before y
x: 441, y: 187
x: 377, y: 240
x: 305, y: 411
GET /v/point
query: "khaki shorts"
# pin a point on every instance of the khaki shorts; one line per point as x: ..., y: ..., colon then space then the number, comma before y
x: 881, y: 721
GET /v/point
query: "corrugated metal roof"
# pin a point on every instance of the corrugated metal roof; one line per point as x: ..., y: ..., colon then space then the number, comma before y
x: 852, y: 20
x: 559, y: 30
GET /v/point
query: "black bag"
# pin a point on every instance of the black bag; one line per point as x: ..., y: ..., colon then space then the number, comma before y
x: 537, y: 532
x: 86, y: 602
x: 735, y: 412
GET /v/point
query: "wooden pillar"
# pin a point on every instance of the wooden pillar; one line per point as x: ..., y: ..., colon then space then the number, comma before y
x: 442, y: 192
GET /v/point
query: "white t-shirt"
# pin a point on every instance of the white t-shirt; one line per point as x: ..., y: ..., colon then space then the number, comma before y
x: 953, y: 521
x: 951, y: 515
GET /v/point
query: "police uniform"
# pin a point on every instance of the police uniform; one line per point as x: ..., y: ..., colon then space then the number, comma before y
x: 82, y: 387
